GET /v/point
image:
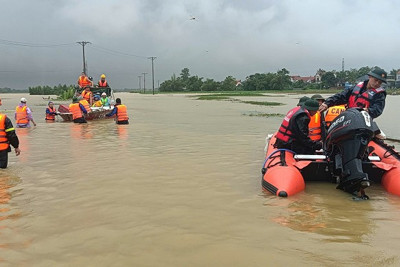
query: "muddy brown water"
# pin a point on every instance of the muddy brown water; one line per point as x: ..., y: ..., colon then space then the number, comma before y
x: 179, y: 186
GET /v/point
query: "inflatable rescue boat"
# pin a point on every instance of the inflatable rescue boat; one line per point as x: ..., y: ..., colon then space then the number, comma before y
x: 352, y: 157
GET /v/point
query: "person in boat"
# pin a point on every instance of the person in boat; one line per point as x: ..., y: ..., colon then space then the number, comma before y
x: 7, y: 137
x: 51, y: 112
x: 302, y: 100
x: 102, y: 82
x: 84, y: 81
x: 315, y: 126
x: 368, y: 95
x: 23, y: 115
x: 105, y: 101
x: 78, y: 111
x: 332, y: 113
x: 293, y: 132
x: 87, y: 94
x: 120, y: 111
x: 97, y: 102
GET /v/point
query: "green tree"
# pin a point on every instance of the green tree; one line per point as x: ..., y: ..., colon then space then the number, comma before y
x: 329, y: 79
x: 185, y: 75
x: 210, y: 85
x: 229, y: 84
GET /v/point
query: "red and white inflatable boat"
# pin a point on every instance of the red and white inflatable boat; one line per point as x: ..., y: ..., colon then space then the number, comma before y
x: 352, y: 157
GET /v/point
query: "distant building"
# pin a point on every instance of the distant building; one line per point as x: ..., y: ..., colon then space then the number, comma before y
x: 307, y: 79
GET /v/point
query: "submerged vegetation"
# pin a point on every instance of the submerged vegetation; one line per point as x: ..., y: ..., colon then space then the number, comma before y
x: 260, y: 114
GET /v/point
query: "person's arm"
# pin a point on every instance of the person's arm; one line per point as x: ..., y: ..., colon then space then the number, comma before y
x: 12, y: 136
x: 113, y: 112
x: 337, y: 99
x: 29, y: 115
x: 377, y: 105
x: 83, y: 108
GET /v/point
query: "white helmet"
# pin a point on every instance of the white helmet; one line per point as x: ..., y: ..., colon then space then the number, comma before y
x: 23, y: 100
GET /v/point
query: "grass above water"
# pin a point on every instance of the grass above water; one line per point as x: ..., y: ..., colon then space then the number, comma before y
x: 228, y: 96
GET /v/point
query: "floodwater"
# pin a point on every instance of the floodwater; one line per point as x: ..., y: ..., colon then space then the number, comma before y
x: 179, y: 186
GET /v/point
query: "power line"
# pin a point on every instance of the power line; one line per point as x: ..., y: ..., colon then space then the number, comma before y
x: 114, y: 52
x: 16, y: 43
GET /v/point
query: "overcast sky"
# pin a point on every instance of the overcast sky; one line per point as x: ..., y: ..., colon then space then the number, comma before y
x: 213, y: 38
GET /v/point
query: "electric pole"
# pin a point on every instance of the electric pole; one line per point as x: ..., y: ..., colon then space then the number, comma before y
x: 152, y: 70
x: 140, y: 83
x: 83, y: 43
x: 144, y: 82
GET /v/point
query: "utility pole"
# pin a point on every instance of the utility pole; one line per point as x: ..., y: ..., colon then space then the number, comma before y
x: 343, y: 64
x: 152, y: 70
x: 140, y: 83
x: 83, y: 43
x: 144, y: 82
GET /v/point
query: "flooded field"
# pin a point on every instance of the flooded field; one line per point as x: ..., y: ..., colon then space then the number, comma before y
x: 179, y: 186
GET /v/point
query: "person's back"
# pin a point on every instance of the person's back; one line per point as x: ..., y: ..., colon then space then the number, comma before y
x: 332, y: 113
x: 23, y: 115
x: 77, y: 111
x: 293, y: 133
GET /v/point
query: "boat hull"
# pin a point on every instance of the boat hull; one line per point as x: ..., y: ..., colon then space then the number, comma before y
x: 95, y: 114
x: 284, y: 173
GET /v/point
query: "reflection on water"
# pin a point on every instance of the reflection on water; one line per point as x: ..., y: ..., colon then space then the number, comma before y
x: 179, y: 186
x: 333, y: 214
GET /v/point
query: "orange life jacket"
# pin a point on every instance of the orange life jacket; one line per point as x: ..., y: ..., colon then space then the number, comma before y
x: 285, y: 131
x: 3, y: 136
x: 314, y: 127
x: 86, y: 95
x: 83, y: 81
x: 85, y: 104
x: 332, y: 113
x: 363, y: 100
x: 122, y: 114
x: 76, y: 111
x: 49, y: 116
x: 103, y: 84
x: 21, y: 115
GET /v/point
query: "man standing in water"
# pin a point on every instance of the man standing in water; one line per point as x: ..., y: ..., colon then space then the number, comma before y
x: 7, y: 137
x: 120, y: 112
x: 368, y: 95
x: 23, y: 115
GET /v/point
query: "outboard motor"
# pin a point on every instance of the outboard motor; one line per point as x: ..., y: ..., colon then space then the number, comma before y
x: 346, y: 143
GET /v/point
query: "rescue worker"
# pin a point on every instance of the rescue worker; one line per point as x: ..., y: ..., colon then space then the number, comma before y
x: 97, y: 101
x: 120, y: 111
x: 23, y: 115
x: 302, y: 100
x: 368, y: 95
x: 105, y: 101
x: 84, y: 103
x: 315, y: 125
x: 102, y: 82
x: 51, y: 112
x: 84, y: 81
x: 332, y: 113
x: 293, y: 132
x: 78, y: 111
x: 87, y: 94
x: 7, y: 137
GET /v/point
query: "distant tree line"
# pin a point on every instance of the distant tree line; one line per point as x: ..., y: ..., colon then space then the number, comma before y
x: 263, y: 81
x: 9, y: 90
x: 47, y: 90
